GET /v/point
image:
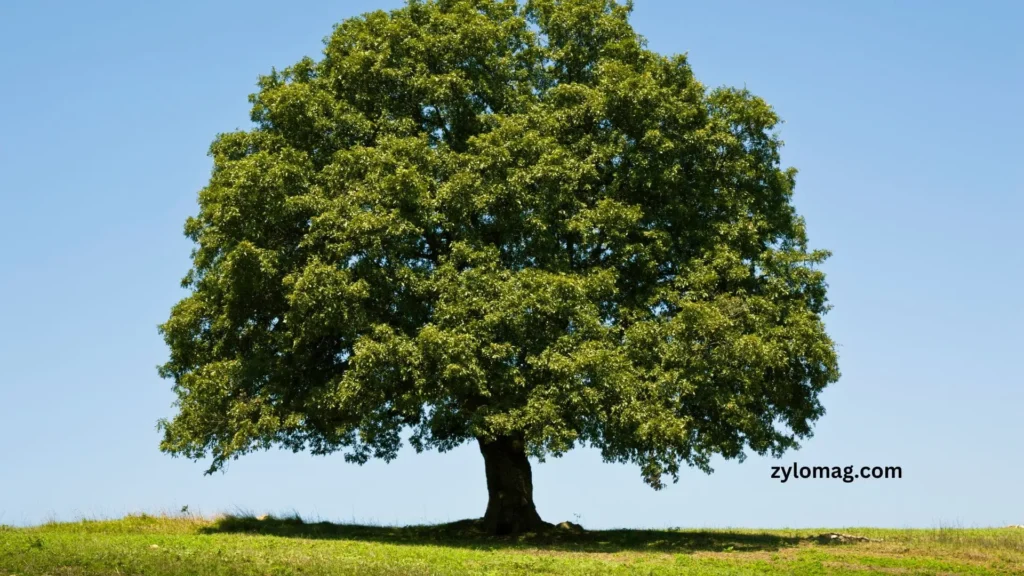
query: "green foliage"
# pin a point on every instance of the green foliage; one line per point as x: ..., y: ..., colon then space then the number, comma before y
x: 478, y: 218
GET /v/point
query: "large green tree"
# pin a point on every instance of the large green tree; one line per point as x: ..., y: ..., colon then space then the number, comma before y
x: 504, y: 223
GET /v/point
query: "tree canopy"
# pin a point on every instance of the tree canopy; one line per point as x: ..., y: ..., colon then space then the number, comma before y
x: 501, y: 222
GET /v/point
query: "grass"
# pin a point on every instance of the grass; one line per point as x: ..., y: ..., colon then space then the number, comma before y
x: 230, y: 545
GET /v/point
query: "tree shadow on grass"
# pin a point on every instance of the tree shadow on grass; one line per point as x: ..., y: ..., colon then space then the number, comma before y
x: 468, y: 534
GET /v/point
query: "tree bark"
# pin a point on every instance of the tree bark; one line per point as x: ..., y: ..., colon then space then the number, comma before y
x: 510, y: 508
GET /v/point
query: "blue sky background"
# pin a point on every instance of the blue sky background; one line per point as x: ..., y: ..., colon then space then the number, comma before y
x: 904, y: 119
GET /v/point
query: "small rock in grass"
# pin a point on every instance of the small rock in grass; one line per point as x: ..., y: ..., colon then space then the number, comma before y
x: 837, y: 538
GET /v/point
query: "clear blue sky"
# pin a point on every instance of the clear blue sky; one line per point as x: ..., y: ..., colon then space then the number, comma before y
x: 904, y: 119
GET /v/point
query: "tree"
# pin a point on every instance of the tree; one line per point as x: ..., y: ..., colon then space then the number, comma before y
x: 502, y: 223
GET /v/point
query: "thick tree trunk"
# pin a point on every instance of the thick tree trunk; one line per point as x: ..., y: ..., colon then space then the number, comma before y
x: 510, y: 508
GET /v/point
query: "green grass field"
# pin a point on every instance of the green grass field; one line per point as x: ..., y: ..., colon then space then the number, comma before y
x: 149, y: 545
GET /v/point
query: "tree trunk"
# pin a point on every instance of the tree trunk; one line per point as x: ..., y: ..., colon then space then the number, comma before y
x: 510, y: 508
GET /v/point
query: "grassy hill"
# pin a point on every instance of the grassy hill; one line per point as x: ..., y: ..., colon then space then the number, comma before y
x: 231, y: 545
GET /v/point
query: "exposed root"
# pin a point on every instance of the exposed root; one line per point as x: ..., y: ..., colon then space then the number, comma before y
x: 571, y: 527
